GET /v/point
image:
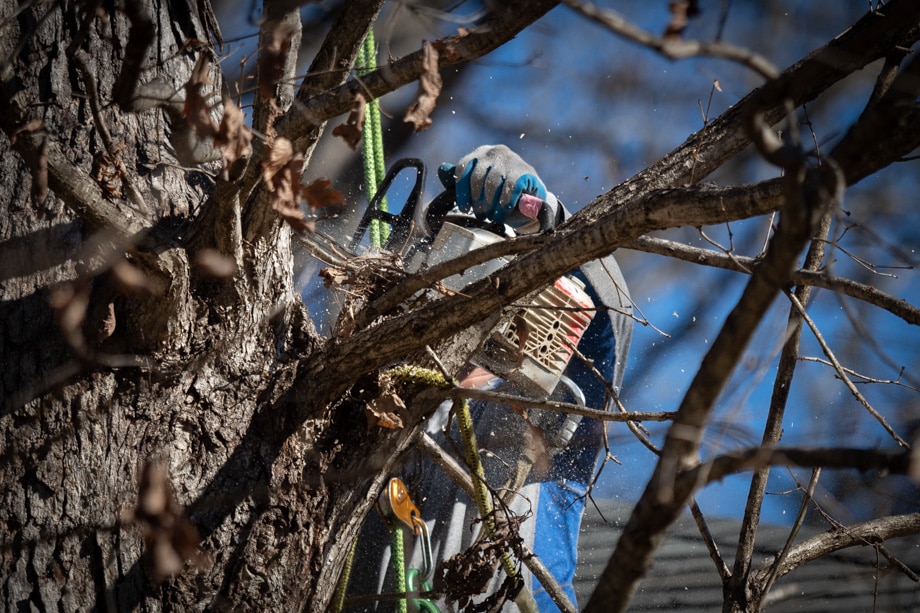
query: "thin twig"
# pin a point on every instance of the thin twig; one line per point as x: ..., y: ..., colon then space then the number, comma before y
x: 841, y: 372
x: 711, y: 546
x: 559, y: 407
x: 92, y: 94
x: 796, y: 525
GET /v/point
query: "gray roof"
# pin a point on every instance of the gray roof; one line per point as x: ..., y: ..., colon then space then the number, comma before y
x: 684, y: 577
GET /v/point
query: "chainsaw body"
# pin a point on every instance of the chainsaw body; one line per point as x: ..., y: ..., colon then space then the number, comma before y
x: 532, y: 345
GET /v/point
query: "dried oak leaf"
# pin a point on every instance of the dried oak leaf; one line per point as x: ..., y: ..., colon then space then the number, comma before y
x: 215, y: 264
x: 196, y: 109
x: 69, y: 303
x: 280, y: 154
x: 320, y: 194
x: 351, y: 130
x: 170, y: 540
x: 469, y: 573
x: 536, y: 449
x: 681, y: 13
x: 282, y: 177
x: 233, y: 134
x: 334, y: 276
x: 292, y: 215
x: 522, y: 331
x: 272, y: 57
x: 447, y: 48
x: 107, y: 325
x: 429, y: 86
x: 384, y: 410
x: 281, y: 171
x: 131, y: 279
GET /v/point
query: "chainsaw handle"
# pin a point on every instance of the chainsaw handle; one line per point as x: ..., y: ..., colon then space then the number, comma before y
x: 401, y: 225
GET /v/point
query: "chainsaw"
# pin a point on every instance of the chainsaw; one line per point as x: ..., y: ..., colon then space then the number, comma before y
x: 549, y: 328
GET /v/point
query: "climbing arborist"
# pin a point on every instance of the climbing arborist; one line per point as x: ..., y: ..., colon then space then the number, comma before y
x: 493, y: 184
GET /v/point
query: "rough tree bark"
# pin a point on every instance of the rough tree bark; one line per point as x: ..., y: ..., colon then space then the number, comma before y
x: 148, y: 314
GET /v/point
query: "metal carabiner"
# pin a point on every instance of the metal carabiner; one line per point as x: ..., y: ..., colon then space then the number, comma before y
x: 396, y: 504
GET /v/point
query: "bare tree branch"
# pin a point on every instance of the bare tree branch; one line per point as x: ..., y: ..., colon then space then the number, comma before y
x: 865, y: 533
x: 673, y: 47
x: 896, y: 108
x: 332, y: 62
x: 796, y: 525
x: 462, y: 478
x: 661, y: 501
x: 707, y: 257
x: 773, y: 427
x: 871, y: 38
x: 560, y: 407
x: 716, y: 469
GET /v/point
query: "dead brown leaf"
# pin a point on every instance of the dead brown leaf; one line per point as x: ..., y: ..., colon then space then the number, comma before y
x: 170, y: 539
x: 537, y: 450
x: 196, y: 109
x: 271, y: 59
x: 215, y: 264
x: 295, y: 217
x: 131, y: 279
x: 233, y: 134
x: 280, y: 154
x: 384, y: 410
x: 522, y: 331
x: 470, y: 572
x: 320, y: 194
x: 447, y: 48
x: 107, y: 326
x: 681, y: 13
x: 351, y: 130
x: 69, y: 303
x: 282, y: 176
x: 30, y: 126
x: 429, y: 86
x: 333, y: 276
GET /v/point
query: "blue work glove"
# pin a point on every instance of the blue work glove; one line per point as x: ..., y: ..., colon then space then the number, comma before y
x: 490, y: 181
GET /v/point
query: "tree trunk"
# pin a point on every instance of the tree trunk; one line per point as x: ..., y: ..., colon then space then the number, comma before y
x: 166, y: 364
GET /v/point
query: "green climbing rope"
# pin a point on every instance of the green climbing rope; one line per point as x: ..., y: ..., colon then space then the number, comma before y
x: 398, y: 552
x: 338, y: 600
x: 372, y: 142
